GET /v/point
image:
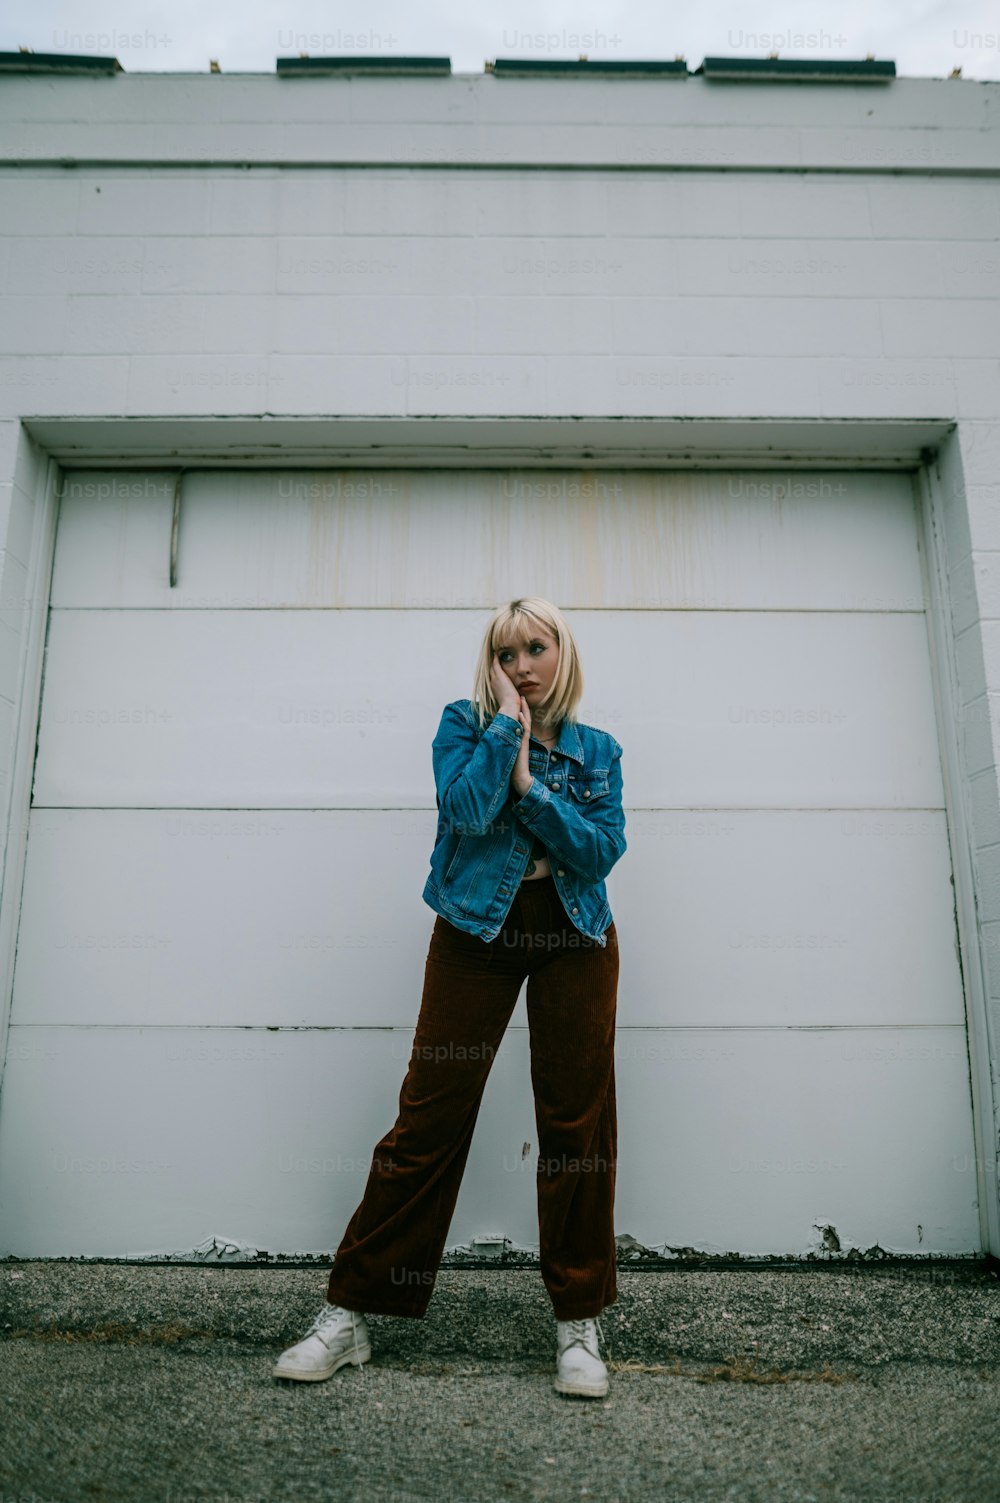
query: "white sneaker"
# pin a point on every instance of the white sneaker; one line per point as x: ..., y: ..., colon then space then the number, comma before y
x: 579, y: 1369
x: 335, y: 1337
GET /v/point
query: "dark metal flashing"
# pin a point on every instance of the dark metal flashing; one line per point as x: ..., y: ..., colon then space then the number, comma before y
x: 58, y: 62
x: 716, y: 69
x: 516, y: 67
x: 369, y: 66
x: 805, y: 70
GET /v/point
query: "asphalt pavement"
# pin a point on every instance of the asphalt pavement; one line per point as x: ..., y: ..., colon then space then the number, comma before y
x: 798, y: 1384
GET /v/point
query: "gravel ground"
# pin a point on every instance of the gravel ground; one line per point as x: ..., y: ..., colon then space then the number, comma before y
x: 152, y: 1383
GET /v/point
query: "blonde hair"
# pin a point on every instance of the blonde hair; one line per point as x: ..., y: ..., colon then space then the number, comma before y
x: 513, y: 621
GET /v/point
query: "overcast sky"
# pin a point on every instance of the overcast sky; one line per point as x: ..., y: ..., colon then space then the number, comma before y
x: 925, y: 38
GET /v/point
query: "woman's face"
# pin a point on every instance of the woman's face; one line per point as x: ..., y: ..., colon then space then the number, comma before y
x: 531, y: 662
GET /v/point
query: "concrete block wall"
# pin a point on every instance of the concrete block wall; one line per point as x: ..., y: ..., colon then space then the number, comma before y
x: 969, y: 489
x: 23, y: 470
x: 242, y: 245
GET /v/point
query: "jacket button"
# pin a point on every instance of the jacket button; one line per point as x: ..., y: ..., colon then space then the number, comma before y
x: 560, y: 872
x: 554, y: 783
x: 586, y: 793
x: 576, y: 910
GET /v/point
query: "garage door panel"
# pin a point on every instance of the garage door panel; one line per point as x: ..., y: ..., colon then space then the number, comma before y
x: 804, y: 917
x: 771, y: 1131
x: 783, y: 710
x: 224, y: 917
x: 224, y: 709
x: 268, y: 917
x: 150, y: 1141
x: 450, y: 539
x: 308, y: 709
x: 222, y: 937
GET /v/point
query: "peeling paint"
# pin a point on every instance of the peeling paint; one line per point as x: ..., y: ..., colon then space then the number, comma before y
x: 632, y: 1255
x: 211, y: 1250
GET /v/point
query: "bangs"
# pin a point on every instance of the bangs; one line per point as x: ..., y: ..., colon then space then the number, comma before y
x: 520, y: 628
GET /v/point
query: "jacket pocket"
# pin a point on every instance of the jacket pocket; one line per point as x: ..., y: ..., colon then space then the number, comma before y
x: 586, y: 787
x: 453, y: 863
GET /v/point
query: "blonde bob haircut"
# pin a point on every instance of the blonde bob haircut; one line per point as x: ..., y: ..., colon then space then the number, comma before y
x: 516, y: 622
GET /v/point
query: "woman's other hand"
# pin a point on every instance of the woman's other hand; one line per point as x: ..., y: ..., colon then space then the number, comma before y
x: 520, y: 778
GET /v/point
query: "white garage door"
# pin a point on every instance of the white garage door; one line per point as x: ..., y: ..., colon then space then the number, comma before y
x: 222, y: 936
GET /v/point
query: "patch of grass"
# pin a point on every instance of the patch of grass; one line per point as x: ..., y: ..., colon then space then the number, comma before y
x: 115, y: 1331
x: 734, y: 1370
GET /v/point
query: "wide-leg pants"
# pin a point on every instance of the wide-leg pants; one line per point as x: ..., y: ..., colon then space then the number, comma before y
x: 388, y: 1259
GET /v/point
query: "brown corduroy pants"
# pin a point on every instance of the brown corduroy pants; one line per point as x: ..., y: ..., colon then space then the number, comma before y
x: 388, y: 1258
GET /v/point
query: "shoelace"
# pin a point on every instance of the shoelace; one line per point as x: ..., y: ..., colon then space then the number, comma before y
x: 331, y: 1316
x: 578, y: 1331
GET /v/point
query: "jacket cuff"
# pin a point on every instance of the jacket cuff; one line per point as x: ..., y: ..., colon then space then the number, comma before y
x: 506, y: 727
x: 528, y: 806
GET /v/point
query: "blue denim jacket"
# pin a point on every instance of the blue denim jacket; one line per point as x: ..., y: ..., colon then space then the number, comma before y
x: 485, y: 833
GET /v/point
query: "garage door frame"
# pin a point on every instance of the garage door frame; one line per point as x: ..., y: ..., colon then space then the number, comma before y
x: 926, y: 448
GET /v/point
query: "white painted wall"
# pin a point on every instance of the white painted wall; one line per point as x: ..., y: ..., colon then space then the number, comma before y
x: 194, y: 247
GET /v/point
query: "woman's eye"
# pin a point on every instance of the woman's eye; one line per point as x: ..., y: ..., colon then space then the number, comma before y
x: 504, y: 654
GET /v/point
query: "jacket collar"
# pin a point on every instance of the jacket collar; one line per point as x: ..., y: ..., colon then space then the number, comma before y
x: 569, y: 743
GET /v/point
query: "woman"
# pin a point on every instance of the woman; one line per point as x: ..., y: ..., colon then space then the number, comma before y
x: 530, y: 822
